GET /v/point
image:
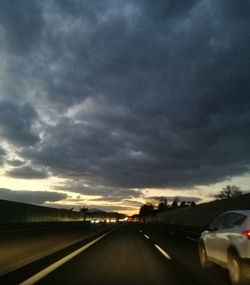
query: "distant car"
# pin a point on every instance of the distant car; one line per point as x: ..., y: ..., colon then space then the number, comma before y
x: 227, y: 243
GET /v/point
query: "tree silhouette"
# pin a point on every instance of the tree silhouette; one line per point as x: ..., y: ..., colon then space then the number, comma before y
x: 193, y: 204
x: 84, y: 210
x: 175, y: 203
x: 146, y: 210
x: 229, y: 191
x: 163, y: 205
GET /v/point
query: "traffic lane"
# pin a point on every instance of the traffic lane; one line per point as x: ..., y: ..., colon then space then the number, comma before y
x: 184, y: 251
x: 123, y: 257
x: 21, y: 247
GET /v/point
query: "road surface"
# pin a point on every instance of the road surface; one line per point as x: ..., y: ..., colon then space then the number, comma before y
x: 126, y: 254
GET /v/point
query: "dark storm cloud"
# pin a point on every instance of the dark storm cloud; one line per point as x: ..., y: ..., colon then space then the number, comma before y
x: 132, y: 203
x: 27, y: 172
x: 2, y: 155
x: 109, y: 207
x: 15, y: 162
x: 33, y: 197
x: 110, y: 194
x: 133, y: 93
x: 22, y: 21
x: 16, y: 123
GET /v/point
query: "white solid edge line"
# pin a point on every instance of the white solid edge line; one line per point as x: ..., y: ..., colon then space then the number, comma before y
x: 38, y: 276
x: 163, y: 252
x: 146, y: 236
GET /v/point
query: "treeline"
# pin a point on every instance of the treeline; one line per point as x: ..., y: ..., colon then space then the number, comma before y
x: 150, y: 209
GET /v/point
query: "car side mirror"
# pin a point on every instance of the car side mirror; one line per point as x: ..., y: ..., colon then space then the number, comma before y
x: 213, y: 229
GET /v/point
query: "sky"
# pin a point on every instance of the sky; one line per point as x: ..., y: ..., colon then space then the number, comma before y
x: 106, y: 103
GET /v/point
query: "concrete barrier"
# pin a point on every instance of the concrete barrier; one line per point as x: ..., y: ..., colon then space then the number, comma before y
x: 203, y: 214
x: 14, y: 212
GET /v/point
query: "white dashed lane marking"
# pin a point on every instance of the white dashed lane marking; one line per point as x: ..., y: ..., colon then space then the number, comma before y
x: 163, y: 252
x: 192, y: 239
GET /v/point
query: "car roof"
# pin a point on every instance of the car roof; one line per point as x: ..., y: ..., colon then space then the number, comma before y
x: 243, y: 212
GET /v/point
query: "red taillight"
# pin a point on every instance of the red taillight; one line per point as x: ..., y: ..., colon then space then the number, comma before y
x: 246, y: 234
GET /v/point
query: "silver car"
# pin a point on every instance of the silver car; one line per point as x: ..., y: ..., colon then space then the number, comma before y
x: 227, y: 243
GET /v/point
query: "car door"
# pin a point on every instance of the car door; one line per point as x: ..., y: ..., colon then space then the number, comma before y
x: 221, y: 237
x: 225, y: 235
x: 211, y: 236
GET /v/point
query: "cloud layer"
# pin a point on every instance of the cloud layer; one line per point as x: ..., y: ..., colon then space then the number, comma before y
x: 31, y: 197
x: 127, y: 94
x: 27, y: 172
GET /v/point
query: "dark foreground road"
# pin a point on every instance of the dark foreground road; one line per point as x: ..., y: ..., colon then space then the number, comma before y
x: 129, y: 254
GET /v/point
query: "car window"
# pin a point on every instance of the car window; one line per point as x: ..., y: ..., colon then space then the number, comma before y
x: 219, y: 223
x: 228, y: 220
x: 235, y: 219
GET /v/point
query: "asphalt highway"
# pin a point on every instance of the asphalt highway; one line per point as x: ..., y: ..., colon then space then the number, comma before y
x: 125, y: 254
x: 20, y: 246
